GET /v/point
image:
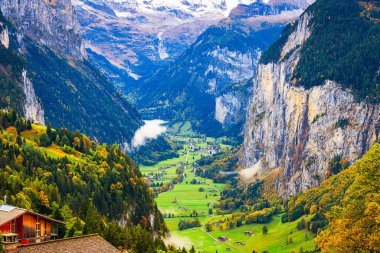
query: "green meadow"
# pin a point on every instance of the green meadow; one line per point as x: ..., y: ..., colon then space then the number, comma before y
x: 274, y: 241
x: 185, y: 199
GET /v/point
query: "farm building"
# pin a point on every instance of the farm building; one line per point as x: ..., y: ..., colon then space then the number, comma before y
x: 249, y: 233
x: 222, y: 238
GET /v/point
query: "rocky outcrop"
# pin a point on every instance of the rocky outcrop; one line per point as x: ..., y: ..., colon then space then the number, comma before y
x: 51, y: 23
x: 230, y: 108
x: 32, y: 107
x: 300, y: 129
x: 4, y: 35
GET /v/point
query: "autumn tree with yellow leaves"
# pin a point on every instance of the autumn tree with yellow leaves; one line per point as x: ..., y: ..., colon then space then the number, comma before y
x: 354, y: 226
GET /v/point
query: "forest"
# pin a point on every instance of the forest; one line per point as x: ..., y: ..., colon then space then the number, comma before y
x: 343, y: 46
x: 65, y: 175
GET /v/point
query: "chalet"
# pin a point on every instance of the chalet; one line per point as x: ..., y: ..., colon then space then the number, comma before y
x: 249, y: 233
x: 30, y: 227
x: 222, y: 238
x: 24, y: 231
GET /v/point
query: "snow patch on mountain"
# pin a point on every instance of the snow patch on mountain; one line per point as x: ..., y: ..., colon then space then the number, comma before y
x: 161, y: 48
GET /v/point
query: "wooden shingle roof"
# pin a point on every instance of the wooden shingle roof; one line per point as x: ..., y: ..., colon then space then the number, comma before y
x: 8, y: 213
x: 81, y: 244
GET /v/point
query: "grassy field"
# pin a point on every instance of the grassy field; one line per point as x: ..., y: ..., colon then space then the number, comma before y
x: 185, y: 198
x: 273, y: 242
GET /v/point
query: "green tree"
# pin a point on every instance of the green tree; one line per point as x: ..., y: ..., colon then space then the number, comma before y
x: 58, y: 216
x: 64, y: 141
x: 93, y: 222
x: 265, y: 230
x: 45, y: 140
x: 301, y: 224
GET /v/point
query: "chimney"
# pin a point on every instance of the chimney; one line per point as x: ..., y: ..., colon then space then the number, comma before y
x: 5, y: 199
x: 9, y: 243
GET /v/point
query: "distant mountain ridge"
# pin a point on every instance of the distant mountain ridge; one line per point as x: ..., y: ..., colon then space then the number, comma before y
x: 207, y: 84
x: 129, y: 40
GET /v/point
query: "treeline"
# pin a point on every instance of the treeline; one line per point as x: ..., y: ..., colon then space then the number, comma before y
x: 156, y: 150
x: 214, y: 167
x: 239, y: 219
x: 343, y: 46
x: 68, y: 140
x: 184, y: 224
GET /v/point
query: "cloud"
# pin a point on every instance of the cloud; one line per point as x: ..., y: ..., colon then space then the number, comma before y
x: 152, y: 129
x: 251, y: 171
x: 179, y: 241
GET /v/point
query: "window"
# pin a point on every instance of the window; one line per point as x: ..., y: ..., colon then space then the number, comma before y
x: 38, y: 227
x: 54, y: 229
x: 13, y: 226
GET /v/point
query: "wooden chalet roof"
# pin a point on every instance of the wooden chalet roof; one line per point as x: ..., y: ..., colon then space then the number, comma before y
x: 9, y: 213
x: 81, y: 244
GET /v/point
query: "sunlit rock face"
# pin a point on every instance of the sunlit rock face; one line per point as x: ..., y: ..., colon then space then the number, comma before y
x: 4, y: 35
x: 52, y: 23
x: 32, y: 107
x: 301, y: 130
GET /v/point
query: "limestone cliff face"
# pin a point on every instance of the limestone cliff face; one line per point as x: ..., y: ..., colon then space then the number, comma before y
x: 4, y: 35
x: 300, y: 129
x: 32, y: 107
x: 230, y: 107
x: 52, y: 23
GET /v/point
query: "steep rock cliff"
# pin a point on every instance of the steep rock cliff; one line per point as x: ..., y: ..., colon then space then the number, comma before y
x: 51, y: 23
x: 17, y: 90
x: 4, y: 35
x: 301, y: 130
x: 32, y: 107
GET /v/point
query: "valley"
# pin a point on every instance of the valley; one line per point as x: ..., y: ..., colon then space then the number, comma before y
x: 190, y: 126
x: 183, y: 196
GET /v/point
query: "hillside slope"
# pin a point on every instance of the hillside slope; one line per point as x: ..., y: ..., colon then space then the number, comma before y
x: 350, y: 201
x: 45, y: 169
x: 311, y: 108
x: 71, y: 91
